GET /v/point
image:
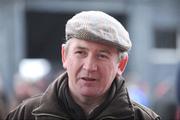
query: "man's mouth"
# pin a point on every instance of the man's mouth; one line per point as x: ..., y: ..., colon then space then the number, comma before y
x: 88, y: 79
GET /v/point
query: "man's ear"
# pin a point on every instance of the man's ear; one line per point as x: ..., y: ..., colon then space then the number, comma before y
x: 122, y: 64
x: 63, y: 55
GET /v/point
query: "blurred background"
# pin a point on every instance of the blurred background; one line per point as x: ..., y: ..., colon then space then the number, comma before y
x: 32, y: 31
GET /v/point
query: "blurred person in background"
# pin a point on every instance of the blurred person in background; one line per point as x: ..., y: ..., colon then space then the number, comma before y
x: 92, y: 88
x: 164, y: 93
x: 2, y: 109
x: 3, y: 104
x: 138, y: 89
x: 178, y: 94
x: 25, y: 87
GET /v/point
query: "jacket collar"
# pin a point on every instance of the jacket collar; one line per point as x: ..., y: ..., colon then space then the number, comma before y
x: 51, y: 105
x: 49, y: 102
x: 120, y: 107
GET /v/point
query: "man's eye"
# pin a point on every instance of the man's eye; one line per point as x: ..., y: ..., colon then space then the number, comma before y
x: 102, y: 56
x: 80, y: 53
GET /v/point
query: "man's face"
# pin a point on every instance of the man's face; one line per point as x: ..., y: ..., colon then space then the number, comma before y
x: 91, y: 67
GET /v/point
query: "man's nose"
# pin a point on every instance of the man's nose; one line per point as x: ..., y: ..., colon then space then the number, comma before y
x: 90, y: 64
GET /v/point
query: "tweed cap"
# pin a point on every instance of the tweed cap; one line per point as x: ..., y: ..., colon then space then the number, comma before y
x: 99, y: 27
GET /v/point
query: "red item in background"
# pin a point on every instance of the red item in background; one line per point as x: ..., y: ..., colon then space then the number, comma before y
x: 178, y: 113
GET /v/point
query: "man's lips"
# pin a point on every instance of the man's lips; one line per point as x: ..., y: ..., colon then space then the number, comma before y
x: 88, y: 79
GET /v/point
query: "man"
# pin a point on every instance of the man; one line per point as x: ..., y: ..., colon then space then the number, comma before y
x: 94, y: 56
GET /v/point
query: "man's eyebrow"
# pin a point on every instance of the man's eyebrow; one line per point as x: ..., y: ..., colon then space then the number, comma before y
x: 105, y: 51
x: 80, y: 47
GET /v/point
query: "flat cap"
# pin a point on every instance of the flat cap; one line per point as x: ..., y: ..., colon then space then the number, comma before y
x: 99, y: 27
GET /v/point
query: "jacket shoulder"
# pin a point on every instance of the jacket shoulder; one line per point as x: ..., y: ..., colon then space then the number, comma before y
x: 144, y: 113
x: 24, y: 110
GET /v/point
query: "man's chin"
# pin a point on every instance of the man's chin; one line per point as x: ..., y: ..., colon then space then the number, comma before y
x: 88, y: 94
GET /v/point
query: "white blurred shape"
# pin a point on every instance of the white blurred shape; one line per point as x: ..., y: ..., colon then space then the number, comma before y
x: 34, y: 69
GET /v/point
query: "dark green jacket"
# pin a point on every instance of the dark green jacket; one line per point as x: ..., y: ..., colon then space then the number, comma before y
x: 56, y: 104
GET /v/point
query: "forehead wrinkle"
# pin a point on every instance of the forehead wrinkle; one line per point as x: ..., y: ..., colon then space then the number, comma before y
x: 81, y: 47
x: 105, y: 51
x: 102, y: 50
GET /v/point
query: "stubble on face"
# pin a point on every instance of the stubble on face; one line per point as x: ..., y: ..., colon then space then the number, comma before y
x: 85, y: 83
